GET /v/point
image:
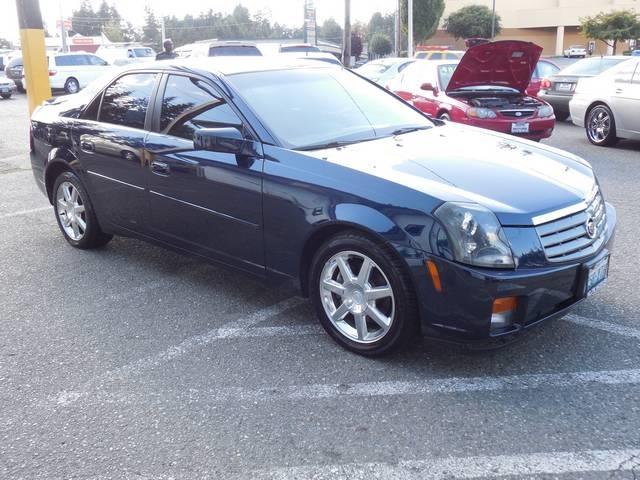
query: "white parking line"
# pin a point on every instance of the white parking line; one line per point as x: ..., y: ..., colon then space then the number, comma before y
x: 431, y: 386
x: 230, y: 331
x: 552, y: 463
x: 606, y: 326
x: 24, y: 212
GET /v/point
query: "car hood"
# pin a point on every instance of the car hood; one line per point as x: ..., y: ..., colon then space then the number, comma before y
x: 515, y: 179
x: 508, y: 63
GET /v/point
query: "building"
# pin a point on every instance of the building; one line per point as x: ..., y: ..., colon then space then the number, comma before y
x: 552, y: 24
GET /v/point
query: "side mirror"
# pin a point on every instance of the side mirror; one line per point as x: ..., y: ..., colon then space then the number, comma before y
x: 429, y: 87
x: 225, y: 140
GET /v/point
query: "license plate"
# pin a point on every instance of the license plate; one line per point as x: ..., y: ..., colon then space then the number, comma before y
x: 520, y: 127
x: 564, y: 87
x: 597, y: 275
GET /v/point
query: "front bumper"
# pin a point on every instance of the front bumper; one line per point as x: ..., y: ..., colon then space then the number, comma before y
x: 462, y: 311
x: 538, y: 127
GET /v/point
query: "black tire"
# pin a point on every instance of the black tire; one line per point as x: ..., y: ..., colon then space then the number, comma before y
x: 601, y: 115
x: 403, y: 312
x: 71, y: 85
x: 6, y: 96
x: 561, y: 116
x: 92, y: 236
x: 445, y: 116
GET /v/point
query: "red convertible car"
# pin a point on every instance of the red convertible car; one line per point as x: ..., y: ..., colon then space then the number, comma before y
x: 486, y: 89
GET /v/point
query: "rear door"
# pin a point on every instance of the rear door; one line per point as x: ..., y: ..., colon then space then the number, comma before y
x: 111, y: 148
x: 203, y: 201
x: 626, y: 97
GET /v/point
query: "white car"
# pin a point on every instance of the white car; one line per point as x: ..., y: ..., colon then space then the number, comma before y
x: 608, y: 105
x: 7, y: 87
x: 218, y: 48
x: 576, y: 51
x: 73, y: 71
x: 125, y: 54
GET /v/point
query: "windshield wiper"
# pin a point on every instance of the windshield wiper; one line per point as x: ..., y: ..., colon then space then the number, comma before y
x: 402, y: 131
x: 335, y: 144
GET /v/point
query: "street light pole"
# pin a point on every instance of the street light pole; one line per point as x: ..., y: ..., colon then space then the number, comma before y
x: 346, y: 52
x: 493, y: 21
x: 410, y: 25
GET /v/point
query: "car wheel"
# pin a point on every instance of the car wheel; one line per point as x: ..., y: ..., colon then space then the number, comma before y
x: 561, y: 116
x: 362, y: 296
x: 445, y: 116
x: 71, y: 85
x: 6, y: 96
x: 601, y: 126
x: 75, y: 215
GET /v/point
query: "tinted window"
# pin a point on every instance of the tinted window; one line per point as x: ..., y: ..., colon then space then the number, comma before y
x: 126, y: 100
x: 306, y: 107
x: 421, y: 55
x: 436, y: 56
x: 299, y: 48
x: 71, y: 60
x: 445, y: 72
x: 234, y: 50
x: 93, y: 60
x: 451, y: 56
x: 189, y: 104
x: 591, y: 66
x: 143, y: 52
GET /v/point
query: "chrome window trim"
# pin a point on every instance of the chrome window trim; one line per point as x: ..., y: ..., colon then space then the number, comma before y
x: 565, y: 212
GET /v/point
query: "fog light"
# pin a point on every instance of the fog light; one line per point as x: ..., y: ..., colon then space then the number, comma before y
x: 503, y: 314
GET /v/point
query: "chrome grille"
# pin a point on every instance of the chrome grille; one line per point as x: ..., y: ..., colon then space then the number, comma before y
x: 517, y: 113
x: 566, y: 238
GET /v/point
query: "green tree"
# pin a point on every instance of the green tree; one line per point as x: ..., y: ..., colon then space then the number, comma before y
x: 472, y: 21
x: 85, y: 20
x: 612, y: 27
x: 356, y: 45
x: 426, y: 16
x: 330, y: 31
x: 380, y: 45
x: 151, y: 30
x: 113, y: 31
x: 381, y: 24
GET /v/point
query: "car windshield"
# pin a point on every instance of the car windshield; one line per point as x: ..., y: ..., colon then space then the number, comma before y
x: 445, y: 72
x: 315, y: 107
x: 373, y: 69
x: 591, y: 66
x: 143, y: 52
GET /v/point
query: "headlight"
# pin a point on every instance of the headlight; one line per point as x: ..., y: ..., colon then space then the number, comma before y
x: 481, y: 113
x: 545, y: 111
x: 474, y: 235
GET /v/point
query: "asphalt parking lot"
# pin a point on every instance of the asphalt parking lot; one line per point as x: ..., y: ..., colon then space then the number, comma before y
x: 135, y: 362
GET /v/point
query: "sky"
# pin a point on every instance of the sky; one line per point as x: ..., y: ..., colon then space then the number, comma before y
x: 288, y: 12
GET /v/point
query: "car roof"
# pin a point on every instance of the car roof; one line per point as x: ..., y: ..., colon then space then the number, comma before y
x: 233, y: 65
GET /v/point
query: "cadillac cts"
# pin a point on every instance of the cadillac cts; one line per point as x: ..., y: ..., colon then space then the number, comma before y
x: 393, y: 224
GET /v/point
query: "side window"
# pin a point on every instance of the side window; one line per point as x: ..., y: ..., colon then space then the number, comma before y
x: 126, y: 100
x: 94, y: 60
x: 435, y: 56
x: 91, y: 112
x: 451, y: 56
x: 190, y: 104
x: 625, y: 73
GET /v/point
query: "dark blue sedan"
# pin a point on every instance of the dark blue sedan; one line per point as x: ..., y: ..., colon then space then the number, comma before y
x: 393, y: 224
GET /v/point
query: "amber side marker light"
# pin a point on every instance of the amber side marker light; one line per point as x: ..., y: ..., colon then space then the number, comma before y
x: 435, y: 275
x: 504, y: 310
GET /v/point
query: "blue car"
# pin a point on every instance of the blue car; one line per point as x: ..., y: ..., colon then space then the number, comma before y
x: 395, y: 225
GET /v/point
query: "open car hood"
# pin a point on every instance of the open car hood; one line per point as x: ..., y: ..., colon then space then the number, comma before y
x: 508, y: 63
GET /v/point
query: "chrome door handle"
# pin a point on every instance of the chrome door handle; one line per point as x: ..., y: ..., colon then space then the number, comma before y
x: 87, y: 146
x: 619, y: 90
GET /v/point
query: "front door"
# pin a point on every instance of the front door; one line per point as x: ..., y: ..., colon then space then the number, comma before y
x: 111, y: 150
x: 202, y: 201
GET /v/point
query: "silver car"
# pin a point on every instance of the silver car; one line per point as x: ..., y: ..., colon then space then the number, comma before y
x: 608, y: 105
x: 383, y: 70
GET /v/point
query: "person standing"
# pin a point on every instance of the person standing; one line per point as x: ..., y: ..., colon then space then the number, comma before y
x: 167, y: 53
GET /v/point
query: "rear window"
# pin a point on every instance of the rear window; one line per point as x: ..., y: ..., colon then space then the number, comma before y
x: 299, y: 48
x: 143, y: 52
x: 234, y: 51
x: 591, y: 66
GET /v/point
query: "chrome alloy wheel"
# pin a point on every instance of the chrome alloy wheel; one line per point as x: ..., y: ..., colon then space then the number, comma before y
x: 71, y: 211
x: 599, y: 124
x: 357, y: 297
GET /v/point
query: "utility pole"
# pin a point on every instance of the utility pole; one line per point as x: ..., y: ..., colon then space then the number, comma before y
x: 63, y: 32
x: 396, y: 32
x: 493, y: 21
x: 36, y: 70
x: 163, y: 32
x: 346, y: 49
x: 410, y: 25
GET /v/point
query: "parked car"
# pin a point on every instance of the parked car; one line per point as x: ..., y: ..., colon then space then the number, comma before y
x: 72, y: 72
x: 635, y: 53
x: 579, y: 51
x: 15, y: 71
x: 608, y: 106
x: 7, y: 87
x: 302, y: 172
x: 544, y: 69
x: 383, y: 70
x: 557, y: 90
x: 439, y: 55
x: 217, y: 48
x: 297, y: 48
x: 485, y: 89
x: 119, y: 54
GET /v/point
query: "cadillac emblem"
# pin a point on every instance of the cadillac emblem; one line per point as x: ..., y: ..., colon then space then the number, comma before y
x: 591, y: 228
